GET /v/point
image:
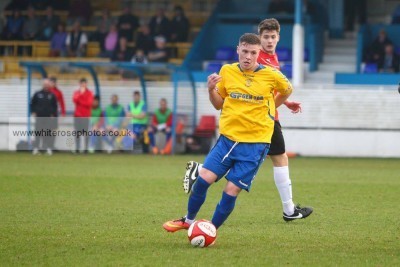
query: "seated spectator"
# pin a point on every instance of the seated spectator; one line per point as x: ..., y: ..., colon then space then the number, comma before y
x: 160, y: 122
x: 377, y: 48
x: 80, y: 10
x: 58, y: 45
x: 31, y: 26
x: 122, y: 53
x: 14, y: 26
x: 160, y: 53
x: 144, y: 40
x: 179, y: 26
x: 127, y: 24
x: 49, y: 24
x: 76, y: 42
x: 103, y: 25
x: 390, y: 61
x: 139, y: 57
x: 110, y: 43
x: 396, y: 15
x: 95, y: 125
x: 114, y: 115
x: 160, y: 25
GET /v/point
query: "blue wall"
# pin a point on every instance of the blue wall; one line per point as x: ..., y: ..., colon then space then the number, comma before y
x: 381, y: 78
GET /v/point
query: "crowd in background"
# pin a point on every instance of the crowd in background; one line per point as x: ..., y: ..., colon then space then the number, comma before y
x: 123, y: 38
x: 114, y: 127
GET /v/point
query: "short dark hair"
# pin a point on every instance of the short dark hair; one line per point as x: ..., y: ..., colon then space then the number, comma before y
x: 250, y: 38
x: 136, y: 93
x: 97, y: 97
x: 269, y: 25
x: 83, y: 80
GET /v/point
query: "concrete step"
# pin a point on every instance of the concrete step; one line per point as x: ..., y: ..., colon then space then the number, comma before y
x: 346, y: 59
x: 337, y: 67
x: 324, y: 76
x: 341, y: 43
x: 350, y: 51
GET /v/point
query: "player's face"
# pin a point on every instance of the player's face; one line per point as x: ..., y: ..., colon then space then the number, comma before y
x: 248, y: 55
x: 269, y: 40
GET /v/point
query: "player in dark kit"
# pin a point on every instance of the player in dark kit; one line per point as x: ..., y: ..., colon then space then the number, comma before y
x: 268, y: 30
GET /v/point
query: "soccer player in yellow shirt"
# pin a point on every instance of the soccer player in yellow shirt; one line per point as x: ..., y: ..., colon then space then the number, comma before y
x: 244, y: 92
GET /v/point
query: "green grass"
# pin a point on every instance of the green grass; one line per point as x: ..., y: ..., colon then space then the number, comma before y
x: 108, y: 210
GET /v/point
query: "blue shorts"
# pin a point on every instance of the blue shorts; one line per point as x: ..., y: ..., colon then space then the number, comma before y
x: 138, y: 129
x: 239, y: 161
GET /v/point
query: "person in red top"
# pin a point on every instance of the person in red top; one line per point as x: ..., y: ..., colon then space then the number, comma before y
x: 268, y: 30
x: 83, y: 100
x: 58, y: 94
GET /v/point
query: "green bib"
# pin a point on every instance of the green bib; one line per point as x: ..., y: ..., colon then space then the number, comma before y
x: 95, y: 116
x: 162, y: 117
x: 113, y: 113
x: 136, y: 111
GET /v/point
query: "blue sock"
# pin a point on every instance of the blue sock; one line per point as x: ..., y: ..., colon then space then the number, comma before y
x: 197, y: 197
x: 152, y: 139
x: 223, y: 209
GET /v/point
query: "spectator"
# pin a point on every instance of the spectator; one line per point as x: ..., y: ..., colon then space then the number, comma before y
x: 353, y: 9
x: 377, y: 48
x: 31, y: 26
x: 58, y: 45
x: 139, y: 57
x: 389, y: 63
x: 96, y: 124
x: 161, y: 122
x: 179, y: 26
x: 83, y: 100
x: 103, y: 25
x: 44, y: 108
x: 110, y: 43
x: 160, y: 25
x: 137, y: 112
x: 160, y: 53
x: 127, y: 24
x: 76, y: 41
x: 144, y: 40
x: 59, y: 96
x: 80, y: 10
x: 396, y: 15
x: 122, y: 53
x: 49, y: 24
x: 14, y: 26
x: 114, y: 115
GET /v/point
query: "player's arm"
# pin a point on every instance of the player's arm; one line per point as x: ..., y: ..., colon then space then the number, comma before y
x: 295, y: 107
x: 215, y: 98
x: 283, y: 87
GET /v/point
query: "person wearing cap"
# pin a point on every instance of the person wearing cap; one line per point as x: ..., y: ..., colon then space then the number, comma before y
x: 160, y: 53
x: 83, y: 100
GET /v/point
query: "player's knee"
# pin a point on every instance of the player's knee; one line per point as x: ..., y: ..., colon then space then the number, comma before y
x: 280, y: 160
x: 232, y: 189
x: 207, y: 175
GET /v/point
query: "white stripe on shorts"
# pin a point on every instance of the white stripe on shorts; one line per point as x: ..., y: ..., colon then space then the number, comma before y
x: 227, y: 155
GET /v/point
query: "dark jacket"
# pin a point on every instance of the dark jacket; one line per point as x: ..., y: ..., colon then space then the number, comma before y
x: 44, y: 104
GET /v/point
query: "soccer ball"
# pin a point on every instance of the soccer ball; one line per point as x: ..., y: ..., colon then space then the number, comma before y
x: 202, y: 234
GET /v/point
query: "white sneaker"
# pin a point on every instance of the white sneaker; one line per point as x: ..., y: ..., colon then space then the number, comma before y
x: 49, y: 152
x: 35, y: 151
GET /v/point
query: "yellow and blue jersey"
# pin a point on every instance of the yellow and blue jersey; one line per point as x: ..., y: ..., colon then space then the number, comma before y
x: 248, y: 111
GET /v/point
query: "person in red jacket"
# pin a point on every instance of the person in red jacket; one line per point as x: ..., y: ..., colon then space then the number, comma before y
x: 59, y: 96
x: 83, y: 100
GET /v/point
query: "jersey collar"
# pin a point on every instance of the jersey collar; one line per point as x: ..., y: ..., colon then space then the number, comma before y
x: 259, y: 67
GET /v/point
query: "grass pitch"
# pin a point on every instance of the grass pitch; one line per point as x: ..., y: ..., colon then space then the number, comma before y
x: 109, y: 210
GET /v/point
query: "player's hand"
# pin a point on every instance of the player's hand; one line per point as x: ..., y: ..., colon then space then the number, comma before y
x: 212, y: 81
x: 295, y: 107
